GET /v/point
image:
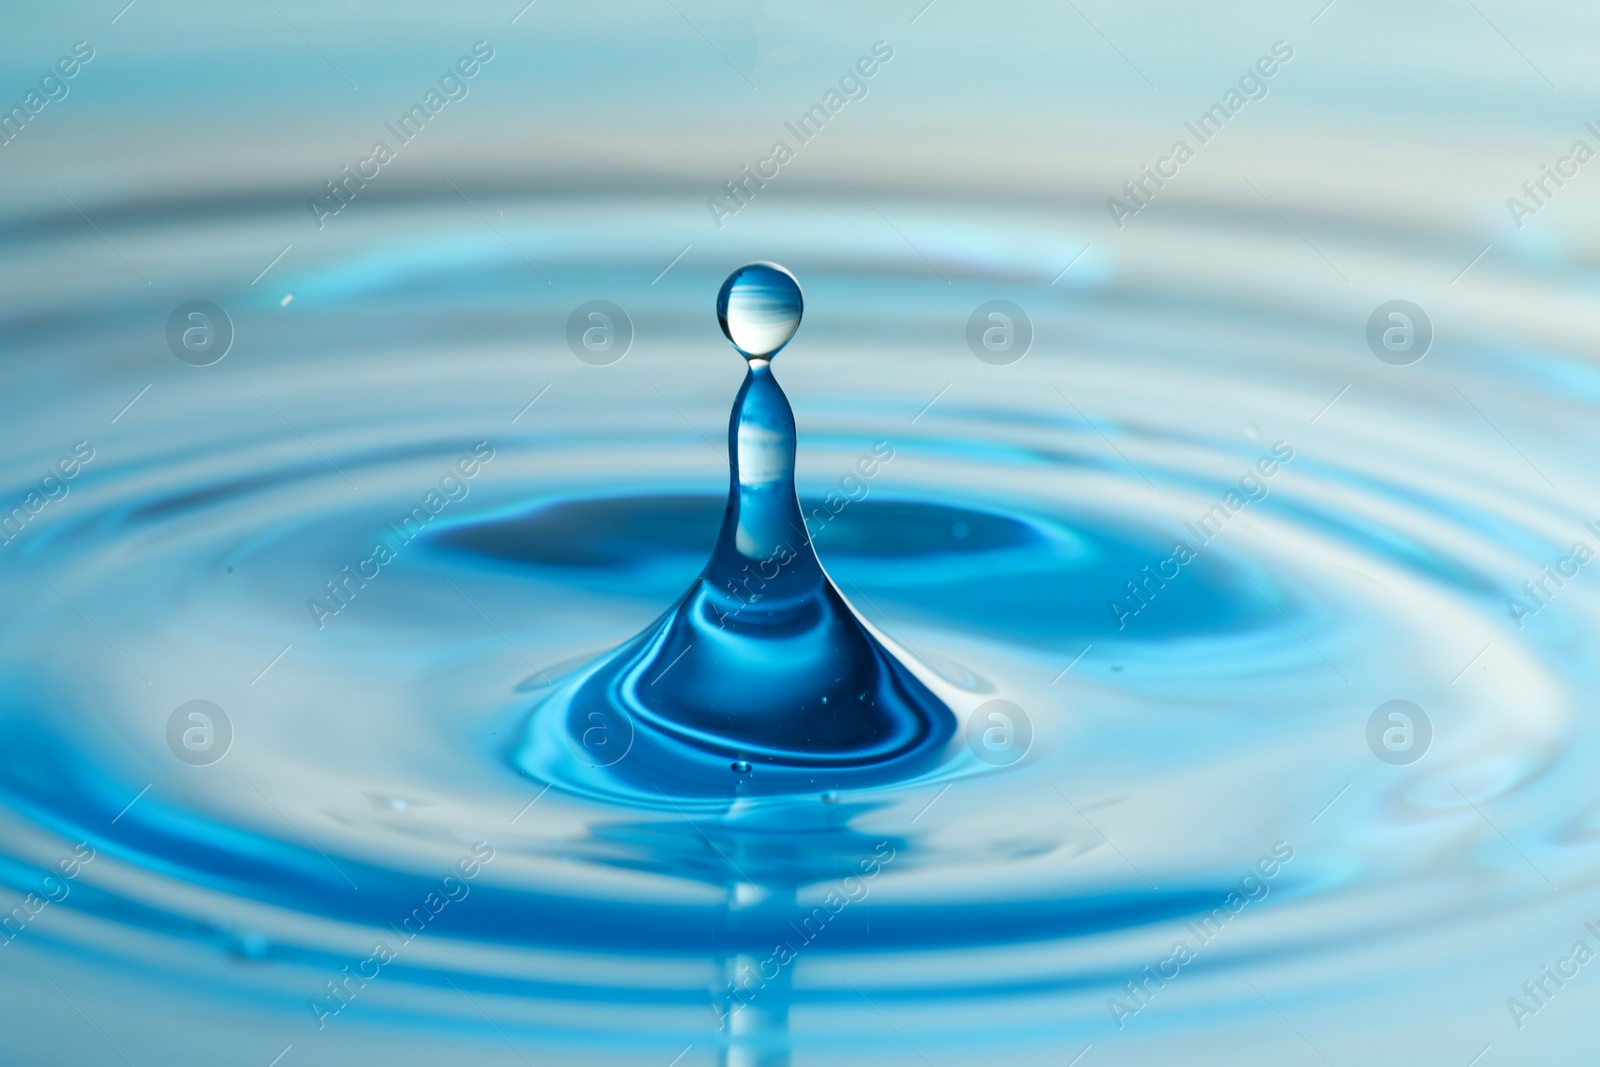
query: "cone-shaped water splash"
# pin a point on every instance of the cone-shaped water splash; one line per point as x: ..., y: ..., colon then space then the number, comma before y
x: 761, y: 679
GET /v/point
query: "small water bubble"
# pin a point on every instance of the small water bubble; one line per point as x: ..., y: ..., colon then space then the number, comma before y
x: 759, y: 308
x: 740, y: 766
x: 288, y: 298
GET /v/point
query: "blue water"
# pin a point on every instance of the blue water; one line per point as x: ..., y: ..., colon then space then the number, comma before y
x: 1130, y: 574
x: 761, y: 667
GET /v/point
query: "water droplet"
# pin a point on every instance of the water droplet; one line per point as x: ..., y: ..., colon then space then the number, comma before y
x: 747, y: 661
x: 759, y: 308
x: 288, y: 298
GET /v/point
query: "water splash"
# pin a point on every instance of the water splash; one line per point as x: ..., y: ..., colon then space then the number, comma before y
x: 761, y: 667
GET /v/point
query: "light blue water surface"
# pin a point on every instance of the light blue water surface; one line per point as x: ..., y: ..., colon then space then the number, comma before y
x: 1186, y: 740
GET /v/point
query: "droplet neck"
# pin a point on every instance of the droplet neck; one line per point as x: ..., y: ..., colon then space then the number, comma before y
x: 763, y: 550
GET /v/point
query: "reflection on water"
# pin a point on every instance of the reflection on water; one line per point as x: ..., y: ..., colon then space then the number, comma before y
x: 1174, y: 570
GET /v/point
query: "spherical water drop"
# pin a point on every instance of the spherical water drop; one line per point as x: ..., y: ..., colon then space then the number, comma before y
x: 759, y: 308
x: 739, y: 766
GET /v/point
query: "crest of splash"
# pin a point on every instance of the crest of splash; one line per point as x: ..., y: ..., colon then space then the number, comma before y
x: 761, y: 678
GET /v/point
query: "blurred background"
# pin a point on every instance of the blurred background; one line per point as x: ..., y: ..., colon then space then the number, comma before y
x: 274, y: 269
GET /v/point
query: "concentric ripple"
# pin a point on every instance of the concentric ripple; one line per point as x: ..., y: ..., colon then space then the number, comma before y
x: 1193, y: 539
